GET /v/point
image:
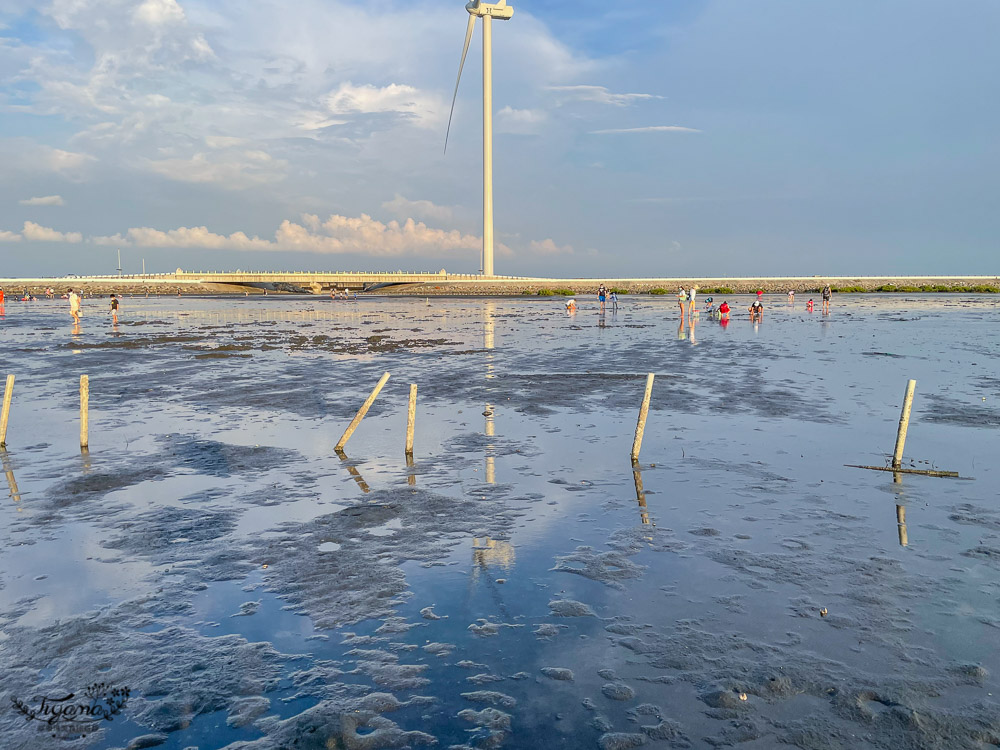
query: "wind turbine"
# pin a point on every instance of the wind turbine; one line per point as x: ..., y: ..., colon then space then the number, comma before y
x: 486, y: 11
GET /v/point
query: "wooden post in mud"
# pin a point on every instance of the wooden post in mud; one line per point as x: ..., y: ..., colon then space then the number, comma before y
x: 904, y: 423
x: 8, y: 394
x: 640, y: 427
x: 361, y: 413
x: 411, y: 418
x: 84, y: 411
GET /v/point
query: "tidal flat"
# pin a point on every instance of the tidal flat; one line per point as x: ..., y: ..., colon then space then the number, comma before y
x: 517, y: 584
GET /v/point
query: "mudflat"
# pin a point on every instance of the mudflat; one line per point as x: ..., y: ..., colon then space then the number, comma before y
x: 518, y: 584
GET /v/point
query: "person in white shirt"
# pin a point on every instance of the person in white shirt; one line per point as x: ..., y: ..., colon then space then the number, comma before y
x: 74, y: 306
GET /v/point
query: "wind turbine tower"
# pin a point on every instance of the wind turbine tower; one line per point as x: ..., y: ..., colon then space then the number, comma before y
x: 486, y: 11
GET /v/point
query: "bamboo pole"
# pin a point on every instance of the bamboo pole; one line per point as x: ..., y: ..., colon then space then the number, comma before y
x: 8, y: 394
x: 904, y: 539
x: 361, y: 413
x: 84, y: 411
x: 922, y: 472
x: 411, y: 418
x: 904, y: 423
x: 640, y: 427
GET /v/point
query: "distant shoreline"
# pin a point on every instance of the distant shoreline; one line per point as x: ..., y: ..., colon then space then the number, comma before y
x: 519, y: 287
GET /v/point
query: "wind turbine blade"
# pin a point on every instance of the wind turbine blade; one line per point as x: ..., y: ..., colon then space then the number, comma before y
x: 465, y: 49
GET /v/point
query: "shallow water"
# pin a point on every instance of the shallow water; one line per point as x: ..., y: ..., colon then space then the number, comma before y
x: 251, y: 588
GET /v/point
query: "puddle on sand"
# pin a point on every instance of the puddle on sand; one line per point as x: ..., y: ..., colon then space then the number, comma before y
x: 520, y: 584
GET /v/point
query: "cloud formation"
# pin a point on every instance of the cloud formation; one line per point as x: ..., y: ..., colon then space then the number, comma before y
x: 44, y: 200
x: 549, y: 247
x: 403, y: 207
x: 37, y: 233
x: 423, y: 108
x: 600, y: 95
x: 647, y: 129
x: 336, y: 235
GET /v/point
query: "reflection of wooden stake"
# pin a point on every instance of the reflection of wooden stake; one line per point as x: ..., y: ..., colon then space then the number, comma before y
x: 411, y: 478
x: 640, y: 493
x: 904, y: 422
x: 411, y: 418
x: 361, y: 413
x: 901, y: 525
x: 353, y: 471
x: 8, y: 394
x: 640, y: 427
x: 84, y: 411
x: 8, y: 470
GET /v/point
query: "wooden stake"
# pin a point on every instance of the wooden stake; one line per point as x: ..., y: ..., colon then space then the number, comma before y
x: 411, y: 418
x: 640, y: 427
x: 84, y: 411
x: 361, y: 413
x: 922, y: 472
x: 904, y: 423
x: 8, y: 394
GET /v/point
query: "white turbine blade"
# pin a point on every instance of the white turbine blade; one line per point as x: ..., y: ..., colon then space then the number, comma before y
x: 465, y: 49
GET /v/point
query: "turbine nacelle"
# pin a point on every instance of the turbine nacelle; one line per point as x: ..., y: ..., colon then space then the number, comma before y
x: 500, y: 10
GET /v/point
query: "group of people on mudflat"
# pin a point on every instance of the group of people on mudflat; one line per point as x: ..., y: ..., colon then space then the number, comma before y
x: 76, y: 298
x: 687, y: 297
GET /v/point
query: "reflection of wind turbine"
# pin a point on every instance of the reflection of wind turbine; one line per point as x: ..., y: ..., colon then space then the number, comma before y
x: 487, y: 11
x: 489, y: 308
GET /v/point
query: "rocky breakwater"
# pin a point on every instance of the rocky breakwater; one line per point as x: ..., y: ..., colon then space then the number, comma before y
x: 669, y: 286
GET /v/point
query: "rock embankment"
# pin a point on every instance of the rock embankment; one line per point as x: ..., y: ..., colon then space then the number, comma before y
x: 514, y: 287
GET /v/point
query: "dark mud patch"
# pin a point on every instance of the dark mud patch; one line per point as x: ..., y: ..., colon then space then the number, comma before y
x: 948, y: 410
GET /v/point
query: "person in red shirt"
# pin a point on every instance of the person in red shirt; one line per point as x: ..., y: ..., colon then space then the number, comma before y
x: 724, y: 310
x: 1, y: 295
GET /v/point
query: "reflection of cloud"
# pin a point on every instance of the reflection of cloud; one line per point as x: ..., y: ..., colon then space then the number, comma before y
x: 647, y: 129
x: 44, y: 200
x: 488, y: 552
x: 600, y: 95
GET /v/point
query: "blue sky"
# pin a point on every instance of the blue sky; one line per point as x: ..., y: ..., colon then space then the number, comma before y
x: 692, y: 137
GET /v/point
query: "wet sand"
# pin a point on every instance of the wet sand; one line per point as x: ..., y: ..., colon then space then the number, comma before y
x: 511, y: 589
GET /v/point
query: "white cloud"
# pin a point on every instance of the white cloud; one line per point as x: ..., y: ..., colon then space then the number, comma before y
x: 600, y: 95
x: 231, y: 169
x: 647, y: 129
x: 400, y: 206
x: 510, y: 120
x: 44, y: 200
x: 6, y: 236
x: 38, y: 233
x: 337, y: 235
x: 423, y: 108
x: 549, y: 247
